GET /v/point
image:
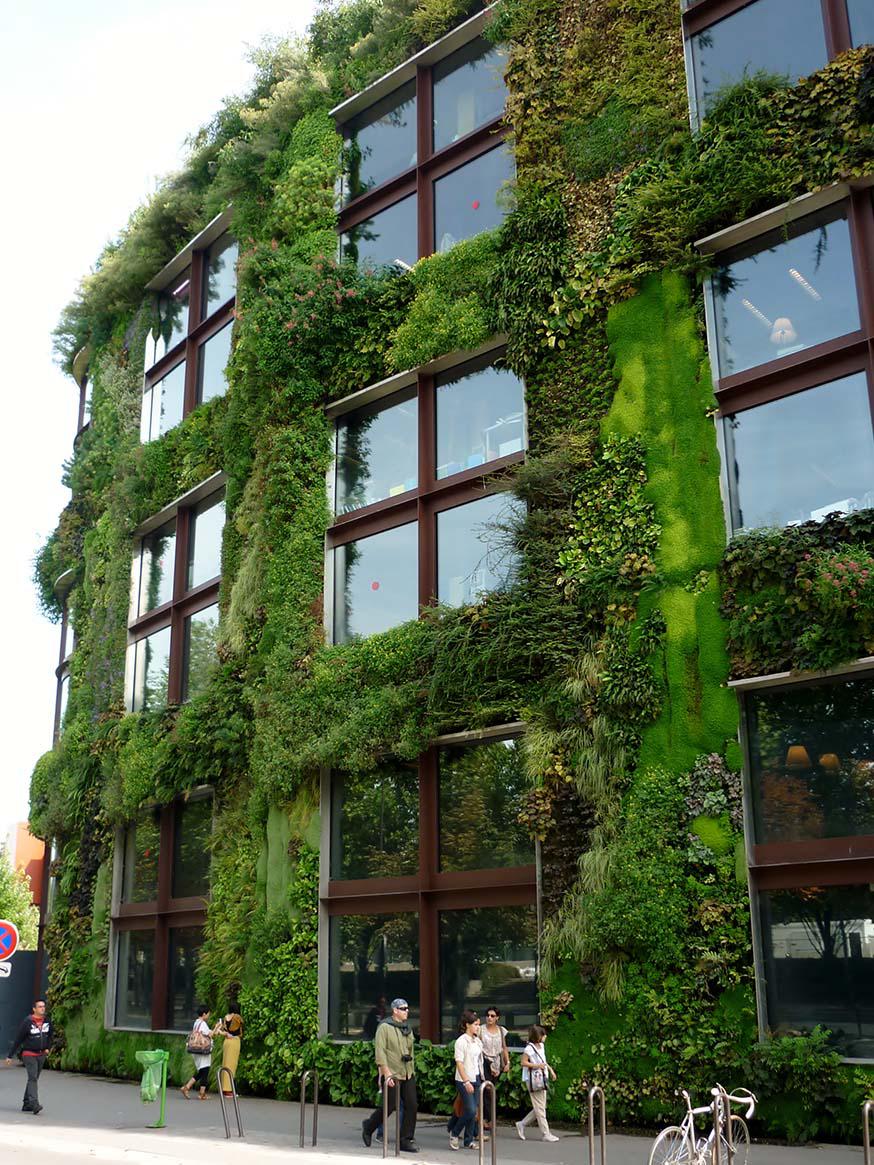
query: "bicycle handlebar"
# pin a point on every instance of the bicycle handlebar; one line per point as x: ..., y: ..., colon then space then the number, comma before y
x: 743, y: 1096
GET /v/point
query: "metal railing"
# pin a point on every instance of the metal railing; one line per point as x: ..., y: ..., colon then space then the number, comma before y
x: 487, y: 1084
x: 305, y: 1076
x: 723, y: 1138
x: 597, y: 1093
x: 866, y: 1130
x: 222, y: 1073
x: 385, y: 1094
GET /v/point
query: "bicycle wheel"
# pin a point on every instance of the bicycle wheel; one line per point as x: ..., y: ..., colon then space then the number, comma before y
x: 740, y: 1137
x: 671, y: 1147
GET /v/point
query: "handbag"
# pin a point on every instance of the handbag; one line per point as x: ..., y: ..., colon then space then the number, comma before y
x: 198, y: 1043
x: 538, y: 1079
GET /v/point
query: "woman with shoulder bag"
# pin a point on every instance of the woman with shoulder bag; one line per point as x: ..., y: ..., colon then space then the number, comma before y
x: 199, y: 1046
x: 536, y: 1074
x: 496, y: 1058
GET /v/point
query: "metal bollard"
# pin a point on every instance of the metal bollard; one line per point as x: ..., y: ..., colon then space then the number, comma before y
x: 303, y: 1104
x: 725, y: 1104
x: 597, y: 1093
x: 487, y: 1084
x: 385, y: 1121
x: 233, y: 1090
x: 716, y: 1106
x: 866, y: 1130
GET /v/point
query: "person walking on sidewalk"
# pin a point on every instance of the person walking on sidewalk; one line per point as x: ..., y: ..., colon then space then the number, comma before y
x: 536, y: 1074
x: 468, y: 1080
x: 33, y: 1039
x: 393, y: 1049
x: 231, y: 1027
x: 199, y: 1047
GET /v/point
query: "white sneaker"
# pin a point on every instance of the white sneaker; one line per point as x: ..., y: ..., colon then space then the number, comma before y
x: 453, y: 1142
x: 550, y: 1137
x: 520, y: 1130
x: 472, y: 1145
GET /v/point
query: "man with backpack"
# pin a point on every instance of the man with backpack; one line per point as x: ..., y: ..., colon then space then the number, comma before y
x: 33, y: 1039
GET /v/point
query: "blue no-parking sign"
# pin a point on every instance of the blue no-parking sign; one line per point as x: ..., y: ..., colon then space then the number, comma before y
x: 8, y: 940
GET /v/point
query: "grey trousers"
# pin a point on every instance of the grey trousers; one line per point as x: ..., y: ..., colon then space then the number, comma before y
x: 33, y: 1067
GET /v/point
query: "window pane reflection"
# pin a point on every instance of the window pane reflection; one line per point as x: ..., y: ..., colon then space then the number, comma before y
x: 142, y: 841
x: 162, y: 405
x: 136, y: 973
x: 381, y: 142
x: 783, y: 37
x: 469, y: 91
x: 212, y: 361
x: 818, y: 950
x: 185, y: 944
x: 150, y: 671
x: 377, y: 452
x: 480, y: 417
x: 379, y: 241
x: 205, y: 542
x: 861, y: 22
x: 488, y: 958
x: 199, y: 651
x: 373, y: 959
x: 470, y: 199
x: 154, y: 584
x: 375, y: 823
x: 812, y: 761
x: 801, y: 457
x: 221, y: 274
x: 776, y: 295
x: 172, y: 316
x: 193, y: 828
x: 375, y: 582
x: 474, y: 554
x: 482, y: 788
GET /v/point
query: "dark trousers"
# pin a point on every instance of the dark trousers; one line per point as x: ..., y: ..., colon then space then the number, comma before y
x: 466, y: 1123
x: 33, y: 1066
x: 409, y: 1108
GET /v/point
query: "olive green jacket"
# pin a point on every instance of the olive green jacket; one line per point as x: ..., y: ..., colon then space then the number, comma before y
x: 389, y: 1045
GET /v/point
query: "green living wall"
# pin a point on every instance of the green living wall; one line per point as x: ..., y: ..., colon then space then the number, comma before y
x: 615, y: 641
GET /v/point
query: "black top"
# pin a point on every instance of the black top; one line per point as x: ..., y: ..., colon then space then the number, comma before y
x: 34, y: 1037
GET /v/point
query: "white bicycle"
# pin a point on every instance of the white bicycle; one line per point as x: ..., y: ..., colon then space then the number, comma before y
x: 680, y: 1144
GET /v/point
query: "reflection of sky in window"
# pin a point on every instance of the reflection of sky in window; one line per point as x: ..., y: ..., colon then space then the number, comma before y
x: 213, y: 360
x: 469, y: 91
x: 221, y: 274
x: 205, y: 542
x: 167, y: 401
x: 783, y: 37
x: 379, y: 241
x: 377, y: 452
x: 772, y: 302
x: 479, y: 418
x: 798, y: 458
x: 861, y: 21
x: 376, y: 582
x: 473, y: 553
x: 381, y: 142
x: 470, y: 199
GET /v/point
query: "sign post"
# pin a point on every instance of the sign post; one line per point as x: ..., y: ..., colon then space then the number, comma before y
x: 8, y: 946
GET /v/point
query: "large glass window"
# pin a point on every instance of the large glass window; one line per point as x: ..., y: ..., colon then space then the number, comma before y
x: 474, y: 549
x: 153, y: 569
x: 173, y: 315
x: 472, y: 198
x: 381, y: 142
x: 776, y: 37
x: 802, y: 456
x: 205, y: 542
x: 150, y: 670
x: 375, y: 582
x: 480, y: 417
x: 374, y: 958
x: 482, y: 789
x: 488, y: 958
x: 469, y: 91
x: 199, y: 655
x: 136, y: 973
x: 377, y: 452
x: 861, y: 14
x: 220, y: 283
x: 163, y: 404
x: 818, y: 953
x: 388, y: 236
x: 785, y: 292
x: 212, y: 362
x: 141, y: 851
x: 375, y: 823
x: 812, y: 761
x: 185, y: 944
x: 191, y: 840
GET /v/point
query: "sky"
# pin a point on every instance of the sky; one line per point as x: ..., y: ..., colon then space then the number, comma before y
x: 99, y: 96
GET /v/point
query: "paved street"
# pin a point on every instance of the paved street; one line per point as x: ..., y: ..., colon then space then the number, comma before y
x: 89, y: 1119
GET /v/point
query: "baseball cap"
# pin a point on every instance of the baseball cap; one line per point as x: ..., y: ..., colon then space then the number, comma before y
x: 399, y: 1003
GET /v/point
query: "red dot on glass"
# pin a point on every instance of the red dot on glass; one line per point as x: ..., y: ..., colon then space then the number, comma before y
x: 475, y: 204
x: 374, y: 586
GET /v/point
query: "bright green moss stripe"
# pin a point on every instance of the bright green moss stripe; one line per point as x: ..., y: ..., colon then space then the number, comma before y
x: 663, y: 396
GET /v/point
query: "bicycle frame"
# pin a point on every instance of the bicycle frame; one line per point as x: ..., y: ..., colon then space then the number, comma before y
x: 720, y: 1110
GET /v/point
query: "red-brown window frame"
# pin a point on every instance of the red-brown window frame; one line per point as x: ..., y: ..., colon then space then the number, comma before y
x: 161, y: 916
x: 835, y: 18
x: 430, y: 890
x: 201, y: 328
x: 430, y: 165
x: 184, y: 602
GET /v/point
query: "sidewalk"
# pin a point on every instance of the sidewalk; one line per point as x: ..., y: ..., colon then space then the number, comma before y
x: 88, y: 1118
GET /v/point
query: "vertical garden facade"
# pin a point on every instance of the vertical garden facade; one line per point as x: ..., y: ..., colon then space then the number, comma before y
x: 467, y: 590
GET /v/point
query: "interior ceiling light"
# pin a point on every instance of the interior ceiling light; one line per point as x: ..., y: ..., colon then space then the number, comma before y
x: 802, y: 282
x: 760, y: 316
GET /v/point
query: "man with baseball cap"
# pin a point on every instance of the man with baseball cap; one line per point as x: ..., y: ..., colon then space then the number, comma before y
x: 393, y: 1048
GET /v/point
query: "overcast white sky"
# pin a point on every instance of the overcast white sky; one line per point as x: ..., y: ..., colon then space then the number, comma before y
x: 99, y: 96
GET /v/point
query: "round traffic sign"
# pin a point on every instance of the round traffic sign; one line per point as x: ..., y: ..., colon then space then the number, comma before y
x: 8, y: 938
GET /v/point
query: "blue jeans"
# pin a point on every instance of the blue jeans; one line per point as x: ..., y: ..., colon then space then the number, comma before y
x: 466, y: 1123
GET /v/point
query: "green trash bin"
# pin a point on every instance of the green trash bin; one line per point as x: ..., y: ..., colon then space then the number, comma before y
x: 154, y: 1080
